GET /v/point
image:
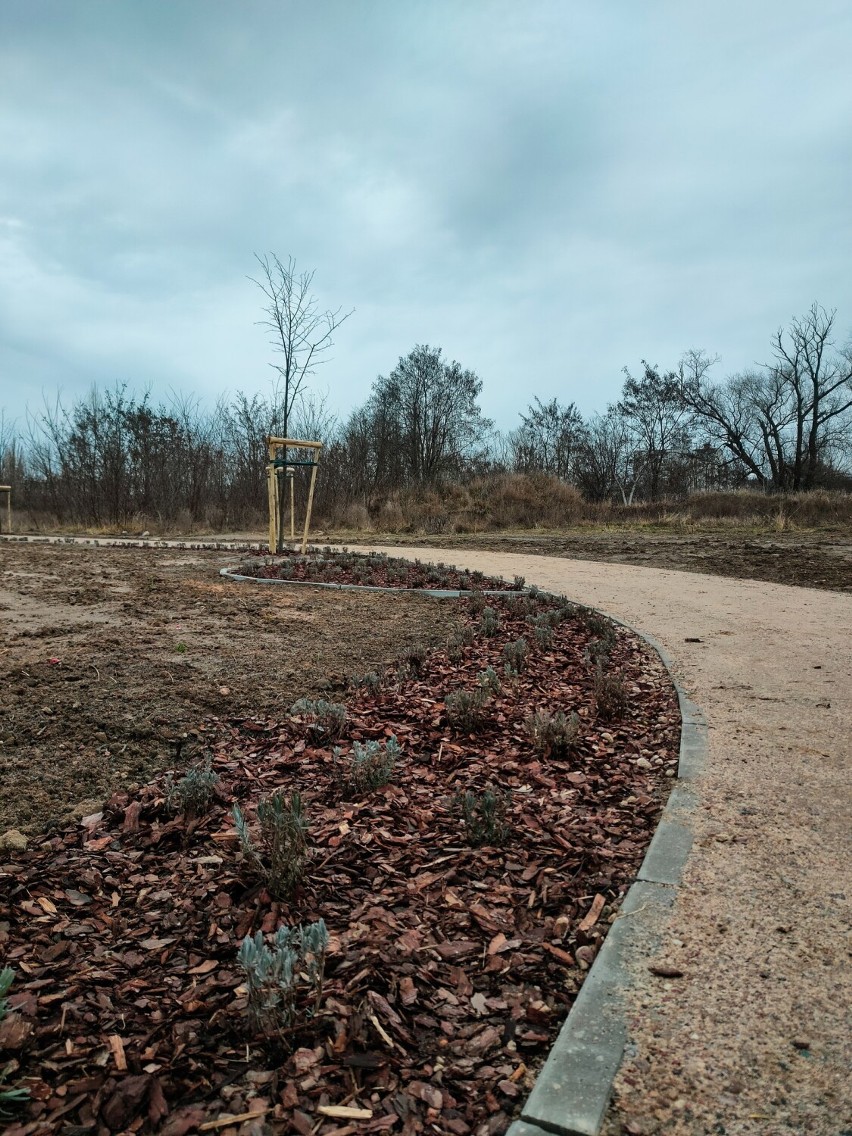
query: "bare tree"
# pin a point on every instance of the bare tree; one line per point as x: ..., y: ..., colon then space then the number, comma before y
x: 429, y: 410
x: 299, y: 330
x: 547, y: 439
x: 659, y: 424
x: 818, y: 387
x: 787, y: 422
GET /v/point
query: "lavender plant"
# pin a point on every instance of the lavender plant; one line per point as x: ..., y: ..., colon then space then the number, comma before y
x: 193, y: 794
x: 371, y: 766
x: 281, y: 858
x: 278, y: 974
x: 324, y: 721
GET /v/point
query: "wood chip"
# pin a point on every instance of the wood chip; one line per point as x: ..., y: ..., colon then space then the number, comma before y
x: 345, y: 1112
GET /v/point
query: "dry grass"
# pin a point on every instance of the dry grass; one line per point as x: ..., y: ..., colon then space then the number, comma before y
x: 520, y: 502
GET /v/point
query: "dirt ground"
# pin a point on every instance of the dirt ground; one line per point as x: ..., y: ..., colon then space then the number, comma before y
x: 111, y: 659
x: 813, y: 560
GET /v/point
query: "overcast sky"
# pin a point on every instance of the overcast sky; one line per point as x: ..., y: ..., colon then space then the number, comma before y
x: 550, y: 191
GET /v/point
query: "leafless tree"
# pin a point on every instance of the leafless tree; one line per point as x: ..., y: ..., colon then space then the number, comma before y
x: 659, y: 423
x: 299, y: 330
x: 428, y: 411
x: 547, y: 439
x: 786, y: 422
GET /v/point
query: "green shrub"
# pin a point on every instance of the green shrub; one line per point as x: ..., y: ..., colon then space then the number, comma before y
x: 371, y: 681
x: 489, y: 683
x: 278, y: 975
x: 489, y: 623
x: 194, y: 793
x: 610, y: 695
x: 280, y: 861
x: 543, y: 630
x: 371, y: 766
x: 324, y: 721
x: 466, y: 708
x: 476, y: 603
x: 552, y: 732
x: 414, y: 657
x: 484, y: 815
x: 515, y: 654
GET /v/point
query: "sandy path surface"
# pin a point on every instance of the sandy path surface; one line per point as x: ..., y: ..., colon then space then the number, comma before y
x: 756, y: 1037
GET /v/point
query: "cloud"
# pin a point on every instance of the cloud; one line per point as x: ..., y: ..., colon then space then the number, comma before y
x: 549, y: 191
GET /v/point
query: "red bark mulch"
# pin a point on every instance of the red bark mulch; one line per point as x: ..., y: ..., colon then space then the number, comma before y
x: 450, y: 967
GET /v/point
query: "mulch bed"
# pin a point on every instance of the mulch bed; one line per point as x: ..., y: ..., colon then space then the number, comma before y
x: 372, y: 569
x: 450, y: 967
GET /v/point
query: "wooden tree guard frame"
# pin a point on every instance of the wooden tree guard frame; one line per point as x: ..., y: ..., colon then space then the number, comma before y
x: 276, y: 452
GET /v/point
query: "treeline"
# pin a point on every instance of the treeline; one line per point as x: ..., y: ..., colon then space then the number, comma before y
x: 117, y: 459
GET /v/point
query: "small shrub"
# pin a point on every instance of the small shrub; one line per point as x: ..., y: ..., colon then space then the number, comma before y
x: 521, y: 605
x: 476, y: 603
x: 597, y: 625
x: 599, y: 651
x: 284, y: 837
x: 543, y: 631
x: 466, y: 708
x: 180, y: 648
x: 515, y: 654
x: 489, y: 682
x: 489, y: 623
x: 414, y: 657
x: 372, y: 766
x: 552, y: 732
x: 371, y: 681
x: 610, y: 695
x: 277, y: 975
x: 484, y: 815
x: 519, y: 581
x: 323, y: 720
x: 194, y: 793
x: 10, y: 1099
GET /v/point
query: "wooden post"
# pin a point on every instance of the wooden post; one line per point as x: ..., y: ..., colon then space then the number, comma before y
x: 290, y: 473
x: 310, y: 506
x: 272, y: 491
x: 7, y: 489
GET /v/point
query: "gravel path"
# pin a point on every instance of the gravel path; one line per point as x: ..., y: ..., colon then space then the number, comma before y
x: 756, y: 1037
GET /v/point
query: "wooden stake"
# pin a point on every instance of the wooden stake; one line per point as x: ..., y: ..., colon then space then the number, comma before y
x: 310, y: 507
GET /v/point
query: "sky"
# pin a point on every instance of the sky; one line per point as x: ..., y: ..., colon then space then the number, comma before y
x: 549, y: 190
